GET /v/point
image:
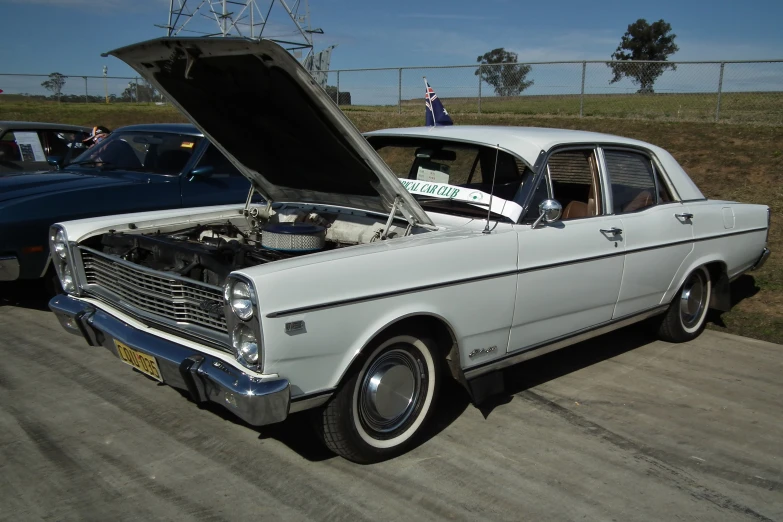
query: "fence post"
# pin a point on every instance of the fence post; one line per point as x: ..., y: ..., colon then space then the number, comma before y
x: 479, y: 93
x: 720, y: 91
x: 337, y: 101
x: 399, y: 90
x: 85, y: 89
x: 582, y: 92
x: 136, y: 88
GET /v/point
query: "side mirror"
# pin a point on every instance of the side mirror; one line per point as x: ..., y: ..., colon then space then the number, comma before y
x: 549, y: 210
x: 204, y: 171
x: 55, y: 161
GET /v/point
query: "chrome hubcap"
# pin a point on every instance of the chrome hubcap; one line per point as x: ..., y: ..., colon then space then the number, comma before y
x: 692, y: 299
x: 390, y: 391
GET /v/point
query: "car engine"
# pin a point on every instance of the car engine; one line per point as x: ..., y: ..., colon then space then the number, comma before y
x: 209, y: 252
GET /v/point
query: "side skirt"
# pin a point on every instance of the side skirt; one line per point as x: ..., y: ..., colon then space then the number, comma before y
x: 555, y: 344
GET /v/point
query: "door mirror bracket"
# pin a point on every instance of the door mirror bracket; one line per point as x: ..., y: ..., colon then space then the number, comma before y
x: 550, y: 211
x: 203, y: 171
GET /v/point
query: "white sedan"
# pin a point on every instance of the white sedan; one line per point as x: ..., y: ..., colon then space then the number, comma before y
x: 380, y: 266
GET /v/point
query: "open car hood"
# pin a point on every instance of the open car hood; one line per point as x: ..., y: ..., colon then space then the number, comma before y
x: 265, y: 112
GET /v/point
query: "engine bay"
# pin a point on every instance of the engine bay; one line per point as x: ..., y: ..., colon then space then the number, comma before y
x: 208, y: 252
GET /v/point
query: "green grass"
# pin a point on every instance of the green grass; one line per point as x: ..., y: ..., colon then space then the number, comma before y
x: 761, y: 107
x: 740, y: 162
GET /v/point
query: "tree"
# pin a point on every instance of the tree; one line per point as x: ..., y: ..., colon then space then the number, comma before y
x: 55, y: 84
x: 643, y: 41
x: 508, y: 79
x: 140, y: 92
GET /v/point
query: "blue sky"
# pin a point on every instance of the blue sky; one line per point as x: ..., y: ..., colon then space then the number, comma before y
x: 41, y: 36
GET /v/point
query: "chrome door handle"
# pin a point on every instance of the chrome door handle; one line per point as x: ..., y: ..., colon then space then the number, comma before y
x: 684, y: 215
x: 614, y: 231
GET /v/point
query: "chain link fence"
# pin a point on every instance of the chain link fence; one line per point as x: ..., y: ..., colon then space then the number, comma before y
x: 77, y: 89
x: 729, y: 91
x: 741, y: 92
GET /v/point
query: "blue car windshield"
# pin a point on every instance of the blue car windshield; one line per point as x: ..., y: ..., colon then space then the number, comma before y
x: 150, y: 152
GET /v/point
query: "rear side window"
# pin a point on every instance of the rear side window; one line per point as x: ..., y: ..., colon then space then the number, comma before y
x: 634, y: 183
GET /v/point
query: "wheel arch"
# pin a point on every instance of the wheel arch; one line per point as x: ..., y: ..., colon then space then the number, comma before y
x: 442, y: 332
x: 717, y: 268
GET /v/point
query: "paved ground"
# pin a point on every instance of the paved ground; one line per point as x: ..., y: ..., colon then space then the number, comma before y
x: 621, y: 428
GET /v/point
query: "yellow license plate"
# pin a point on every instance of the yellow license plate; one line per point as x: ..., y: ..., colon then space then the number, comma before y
x: 146, y: 364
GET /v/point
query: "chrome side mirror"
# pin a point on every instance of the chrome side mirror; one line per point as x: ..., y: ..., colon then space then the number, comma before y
x: 549, y: 210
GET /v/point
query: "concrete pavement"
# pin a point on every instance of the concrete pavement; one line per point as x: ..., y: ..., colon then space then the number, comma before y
x: 618, y: 428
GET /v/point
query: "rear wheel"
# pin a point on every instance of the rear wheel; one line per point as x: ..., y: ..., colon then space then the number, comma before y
x: 687, y: 312
x: 383, y: 404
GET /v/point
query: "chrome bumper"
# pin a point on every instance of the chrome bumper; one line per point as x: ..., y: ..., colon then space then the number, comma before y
x: 207, y: 378
x: 763, y: 259
x: 9, y: 268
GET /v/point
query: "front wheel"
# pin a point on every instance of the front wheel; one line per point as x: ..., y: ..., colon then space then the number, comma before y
x: 687, y: 313
x: 383, y: 404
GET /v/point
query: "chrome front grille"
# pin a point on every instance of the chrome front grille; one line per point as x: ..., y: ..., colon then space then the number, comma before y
x: 160, y: 295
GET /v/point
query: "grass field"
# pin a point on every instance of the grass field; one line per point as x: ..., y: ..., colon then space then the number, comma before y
x: 734, y: 162
x: 749, y: 107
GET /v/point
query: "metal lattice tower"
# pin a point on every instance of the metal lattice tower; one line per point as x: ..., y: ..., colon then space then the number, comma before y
x: 247, y: 18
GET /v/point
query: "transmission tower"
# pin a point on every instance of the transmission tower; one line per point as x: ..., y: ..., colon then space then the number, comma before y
x: 287, y: 24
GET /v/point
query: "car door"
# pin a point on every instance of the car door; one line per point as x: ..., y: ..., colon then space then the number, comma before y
x: 658, y: 231
x: 569, y: 271
x: 213, y: 181
x: 22, y: 150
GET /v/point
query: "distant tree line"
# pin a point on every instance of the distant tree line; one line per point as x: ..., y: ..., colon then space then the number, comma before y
x: 137, y: 91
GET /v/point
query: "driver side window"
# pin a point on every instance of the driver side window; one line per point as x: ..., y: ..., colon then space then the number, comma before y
x: 574, y: 179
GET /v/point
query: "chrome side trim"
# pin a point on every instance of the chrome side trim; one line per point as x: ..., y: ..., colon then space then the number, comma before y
x: 9, y: 268
x: 555, y: 344
x: 46, y: 265
x: 309, y: 402
x: 762, y: 259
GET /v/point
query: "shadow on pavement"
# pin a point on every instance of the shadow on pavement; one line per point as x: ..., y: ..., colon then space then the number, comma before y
x: 741, y: 288
x: 551, y: 366
x: 25, y: 294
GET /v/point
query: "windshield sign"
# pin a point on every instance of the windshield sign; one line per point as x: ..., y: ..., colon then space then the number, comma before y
x: 432, y: 189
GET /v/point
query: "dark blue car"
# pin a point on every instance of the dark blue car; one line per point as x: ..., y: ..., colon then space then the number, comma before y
x: 137, y: 168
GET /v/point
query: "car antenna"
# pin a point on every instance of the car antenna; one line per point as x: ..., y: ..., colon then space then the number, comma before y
x: 492, y: 190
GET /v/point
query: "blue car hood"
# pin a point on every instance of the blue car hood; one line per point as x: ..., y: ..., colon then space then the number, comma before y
x: 27, y: 184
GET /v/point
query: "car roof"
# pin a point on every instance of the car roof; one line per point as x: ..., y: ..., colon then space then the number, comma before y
x: 526, y: 142
x: 33, y: 125
x: 173, y: 128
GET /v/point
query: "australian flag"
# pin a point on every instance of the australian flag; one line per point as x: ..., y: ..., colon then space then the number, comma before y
x: 435, y: 114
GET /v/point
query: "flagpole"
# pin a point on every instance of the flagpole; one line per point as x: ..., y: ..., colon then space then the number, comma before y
x: 427, y: 94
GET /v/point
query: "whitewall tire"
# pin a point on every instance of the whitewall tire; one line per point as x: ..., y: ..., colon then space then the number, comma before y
x: 687, y: 313
x: 385, y: 401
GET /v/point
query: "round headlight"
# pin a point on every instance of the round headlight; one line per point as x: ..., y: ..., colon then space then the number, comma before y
x: 241, y: 300
x: 245, y: 344
x: 66, y: 279
x: 60, y: 245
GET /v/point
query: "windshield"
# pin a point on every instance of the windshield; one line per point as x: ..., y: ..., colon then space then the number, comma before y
x: 150, y: 152
x: 456, y: 178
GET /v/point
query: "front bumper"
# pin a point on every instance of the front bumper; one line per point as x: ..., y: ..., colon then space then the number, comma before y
x: 762, y: 259
x: 255, y: 400
x: 9, y: 268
